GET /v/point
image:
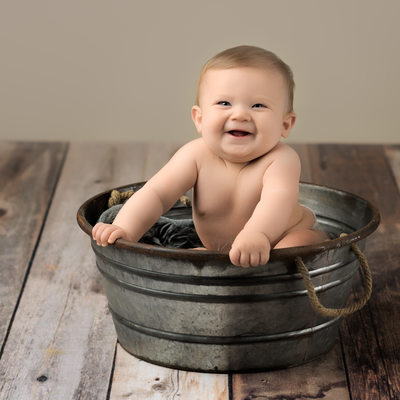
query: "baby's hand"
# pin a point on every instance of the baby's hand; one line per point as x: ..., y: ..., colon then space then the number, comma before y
x: 250, y: 248
x: 105, y: 234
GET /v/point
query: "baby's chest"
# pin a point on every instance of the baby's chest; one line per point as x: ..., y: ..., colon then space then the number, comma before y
x: 221, y: 193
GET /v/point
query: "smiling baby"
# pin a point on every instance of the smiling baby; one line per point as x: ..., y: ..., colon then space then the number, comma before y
x: 245, y: 180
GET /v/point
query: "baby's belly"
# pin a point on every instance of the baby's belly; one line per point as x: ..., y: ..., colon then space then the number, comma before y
x: 217, y: 233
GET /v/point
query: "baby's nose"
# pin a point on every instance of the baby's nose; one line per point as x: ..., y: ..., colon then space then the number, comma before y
x: 240, y: 113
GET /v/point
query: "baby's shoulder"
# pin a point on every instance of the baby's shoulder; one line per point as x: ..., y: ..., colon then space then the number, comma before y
x: 189, y: 151
x: 281, y: 158
x: 193, y: 147
x: 283, y: 150
x: 197, y: 150
x: 283, y: 154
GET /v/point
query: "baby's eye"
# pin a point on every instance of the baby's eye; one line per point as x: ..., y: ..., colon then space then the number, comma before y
x: 259, y: 105
x: 224, y: 103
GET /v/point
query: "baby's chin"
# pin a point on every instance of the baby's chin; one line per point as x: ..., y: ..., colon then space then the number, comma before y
x: 237, y: 153
x: 242, y: 157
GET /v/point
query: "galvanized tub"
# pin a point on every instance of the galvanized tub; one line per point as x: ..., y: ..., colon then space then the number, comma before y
x: 194, y: 310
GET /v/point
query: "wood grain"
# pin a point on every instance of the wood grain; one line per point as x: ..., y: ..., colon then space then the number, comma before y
x: 62, y: 341
x: 28, y: 175
x: 306, y: 167
x: 393, y: 155
x: 136, y: 379
x: 319, y: 379
x: 370, y: 337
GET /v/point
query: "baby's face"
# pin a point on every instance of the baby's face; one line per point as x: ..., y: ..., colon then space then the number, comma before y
x: 242, y: 112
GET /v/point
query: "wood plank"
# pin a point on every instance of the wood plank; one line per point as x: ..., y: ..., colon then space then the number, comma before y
x: 319, y: 379
x: 28, y: 175
x: 393, y: 155
x: 322, y: 378
x: 389, y: 339
x: 306, y: 167
x: 370, y: 337
x: 136, y: 379
x: 62, y: 341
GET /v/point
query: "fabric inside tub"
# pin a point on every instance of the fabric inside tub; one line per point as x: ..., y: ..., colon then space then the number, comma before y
x: 168, y: 232
x: 176, y: 231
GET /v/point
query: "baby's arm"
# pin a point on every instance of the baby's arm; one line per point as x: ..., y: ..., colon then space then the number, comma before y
x: 271, y: 216
x: 156, y: 197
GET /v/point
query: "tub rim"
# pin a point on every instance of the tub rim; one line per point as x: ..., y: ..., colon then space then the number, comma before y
x: 208, y: 255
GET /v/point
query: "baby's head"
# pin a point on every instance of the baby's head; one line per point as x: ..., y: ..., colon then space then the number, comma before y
x: 250, y: 56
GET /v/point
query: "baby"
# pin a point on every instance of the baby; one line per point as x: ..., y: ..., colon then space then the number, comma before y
x: 245, y: 180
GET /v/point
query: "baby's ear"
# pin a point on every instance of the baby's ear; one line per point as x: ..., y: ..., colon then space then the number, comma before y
x: 287, y: 124
x: 197, y: 117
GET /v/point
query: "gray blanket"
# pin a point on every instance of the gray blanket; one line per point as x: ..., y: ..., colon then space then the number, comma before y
x: 167, y: 232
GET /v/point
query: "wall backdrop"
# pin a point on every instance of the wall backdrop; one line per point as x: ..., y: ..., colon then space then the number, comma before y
x: 127, y: 69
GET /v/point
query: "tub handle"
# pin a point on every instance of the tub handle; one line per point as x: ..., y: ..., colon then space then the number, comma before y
x: 337, y: 312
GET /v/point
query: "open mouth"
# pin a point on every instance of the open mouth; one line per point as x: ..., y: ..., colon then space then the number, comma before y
x: 236, y: 133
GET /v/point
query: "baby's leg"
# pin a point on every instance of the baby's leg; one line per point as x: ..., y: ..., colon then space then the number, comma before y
x: 301, y: 237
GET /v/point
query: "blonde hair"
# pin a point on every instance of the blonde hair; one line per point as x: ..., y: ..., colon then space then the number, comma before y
x: 250, y: 56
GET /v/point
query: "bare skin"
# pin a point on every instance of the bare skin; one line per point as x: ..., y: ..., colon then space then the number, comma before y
x: 244, y: 180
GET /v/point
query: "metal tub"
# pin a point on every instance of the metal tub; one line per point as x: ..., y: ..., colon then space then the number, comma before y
x: 194, y: 310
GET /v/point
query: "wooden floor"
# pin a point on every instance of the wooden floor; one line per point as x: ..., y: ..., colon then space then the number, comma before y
x: 56, y: 335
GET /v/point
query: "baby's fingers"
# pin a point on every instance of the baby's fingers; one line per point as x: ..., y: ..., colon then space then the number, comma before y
x: 98, y: 230
x: 105, y: 235
x: 259, y: 258
x: 116, y: 234
x: 264, y: 257
x: 234, y: 256
x: 239, y: 258
x: 246, y: 259
x: 255, y: 259
x: 94, y: 231
x: 101, y: 232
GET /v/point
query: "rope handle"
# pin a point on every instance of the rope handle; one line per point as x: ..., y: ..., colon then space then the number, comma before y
x: 337, y: 312
x: 117, y: 197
